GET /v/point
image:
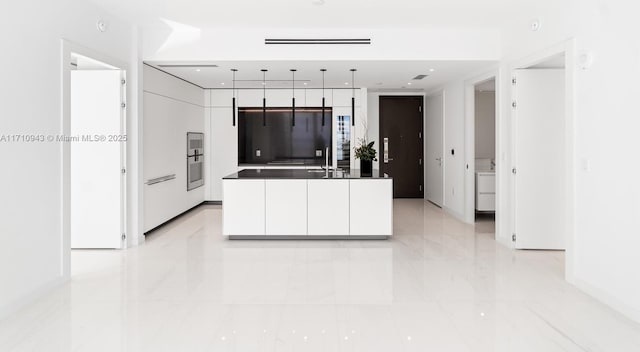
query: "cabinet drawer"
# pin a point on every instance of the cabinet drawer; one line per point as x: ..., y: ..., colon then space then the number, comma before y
x: 486, y: 183
x: 486, y: 202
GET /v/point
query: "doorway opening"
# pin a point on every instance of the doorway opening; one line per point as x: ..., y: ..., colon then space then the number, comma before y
x: 401, y: 150
x: 434, y: 149
x: 94, y: 144
x: 485, y: 156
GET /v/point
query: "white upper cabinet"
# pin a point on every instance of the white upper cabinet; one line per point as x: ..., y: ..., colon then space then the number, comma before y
x: 342, y: 97
x: 250, y: 97
x: 314, y: 98
x: 282, y: 98
x: 221, y: 97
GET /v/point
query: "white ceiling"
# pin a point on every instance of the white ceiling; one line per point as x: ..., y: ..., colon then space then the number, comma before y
x: 369, y: 74
x: 327, y: 13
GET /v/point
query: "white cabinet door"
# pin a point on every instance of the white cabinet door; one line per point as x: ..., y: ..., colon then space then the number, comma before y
x: 286, y: 207
x: 371, y: 207
x: 314, y: 98
x: 328, y: 207
x: 281, y: 98
x: 243, y: 207
x: 249, y: 97
x: 223, y: 149
x: 342, y: 97
x: 222, y: 97
x: 486, y: 202
x: 486, y: 183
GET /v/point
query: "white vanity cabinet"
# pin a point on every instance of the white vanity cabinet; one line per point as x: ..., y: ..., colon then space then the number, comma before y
x: 485, y: 191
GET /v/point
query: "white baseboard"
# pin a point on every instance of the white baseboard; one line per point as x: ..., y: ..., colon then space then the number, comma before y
x: 25, y: 300
x: 607, y: 299
x: 455, y: 214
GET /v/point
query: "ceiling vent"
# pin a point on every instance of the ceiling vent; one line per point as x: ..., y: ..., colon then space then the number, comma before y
x: 315, y: 41
x: 188, y: 65
x: 419, y: 77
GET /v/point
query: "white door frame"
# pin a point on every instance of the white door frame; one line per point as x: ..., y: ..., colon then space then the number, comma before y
x: 68, y: 48
x: 470, y: 147
x: 568, y: 49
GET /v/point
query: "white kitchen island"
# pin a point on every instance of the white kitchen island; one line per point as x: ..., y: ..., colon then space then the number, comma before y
x: 307, y: 204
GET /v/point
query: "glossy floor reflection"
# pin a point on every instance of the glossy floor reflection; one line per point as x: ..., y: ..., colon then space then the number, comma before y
x: 438, y: 285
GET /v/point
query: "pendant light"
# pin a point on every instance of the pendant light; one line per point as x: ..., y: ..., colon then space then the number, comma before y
x: 323, y: 70
x: 353, y: 97
x: 293, y: 99
x: 233, y: 104
x: 264, y: 97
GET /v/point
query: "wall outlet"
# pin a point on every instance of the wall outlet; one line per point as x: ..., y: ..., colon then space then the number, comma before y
x: 318, y: 152
x: 257, y: 152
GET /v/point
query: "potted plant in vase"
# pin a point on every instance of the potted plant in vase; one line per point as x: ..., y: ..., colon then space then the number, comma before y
x: 367, y: 155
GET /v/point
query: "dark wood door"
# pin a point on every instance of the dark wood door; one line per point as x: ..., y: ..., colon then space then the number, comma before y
x: 401, y: 127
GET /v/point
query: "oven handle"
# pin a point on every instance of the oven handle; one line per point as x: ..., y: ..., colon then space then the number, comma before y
x: 161, y: 179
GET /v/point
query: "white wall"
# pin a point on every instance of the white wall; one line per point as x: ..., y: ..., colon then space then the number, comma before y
x: 190, y: 43
x: 31, y: 255
x: 172, y: 108
x: 604, y: 260
x: 485, y: 124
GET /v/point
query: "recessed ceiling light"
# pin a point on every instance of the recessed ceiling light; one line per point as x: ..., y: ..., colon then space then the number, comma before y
x: 305, y: 83
x: 346, y: 83
x: 264, y: 83
x: 409, y: 83
x: 432, y: 69
x: 222, y: 83
x: 197, y: 70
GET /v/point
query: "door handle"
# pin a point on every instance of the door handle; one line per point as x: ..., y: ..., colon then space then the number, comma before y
x: 385, y: 151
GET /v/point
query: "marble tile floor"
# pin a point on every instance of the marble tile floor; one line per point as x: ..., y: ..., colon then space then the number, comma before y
x: 438, y: 285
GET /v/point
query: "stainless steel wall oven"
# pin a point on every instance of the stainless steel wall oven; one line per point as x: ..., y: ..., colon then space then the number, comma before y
x: 195, y: 160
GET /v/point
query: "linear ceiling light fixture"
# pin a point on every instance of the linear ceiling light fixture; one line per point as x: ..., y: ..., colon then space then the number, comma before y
x: 323, y: 70
x: 233, y: 106
x: 293, y: 95
x: 353, y: 97
x: 311, y: 41
x: 264, y: 97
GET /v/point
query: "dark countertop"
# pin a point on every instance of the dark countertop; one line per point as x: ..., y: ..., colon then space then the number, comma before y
x: 288, y: 162
x: 301, y: 174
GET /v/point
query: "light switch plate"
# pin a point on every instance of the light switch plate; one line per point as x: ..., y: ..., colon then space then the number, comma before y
x: 318, y: 152
x: 257, y: 152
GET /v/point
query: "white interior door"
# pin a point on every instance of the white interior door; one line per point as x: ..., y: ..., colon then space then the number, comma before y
x: 97, y: 182
x: 434, y: 148
x: 540, y: 159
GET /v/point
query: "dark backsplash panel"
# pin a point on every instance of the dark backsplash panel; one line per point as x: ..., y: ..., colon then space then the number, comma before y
x: 279, y: 142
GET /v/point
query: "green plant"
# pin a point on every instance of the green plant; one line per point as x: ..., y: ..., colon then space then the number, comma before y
x: 365, y: 151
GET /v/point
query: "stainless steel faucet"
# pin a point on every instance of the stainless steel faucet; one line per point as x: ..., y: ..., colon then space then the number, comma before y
x: 326, y: 159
